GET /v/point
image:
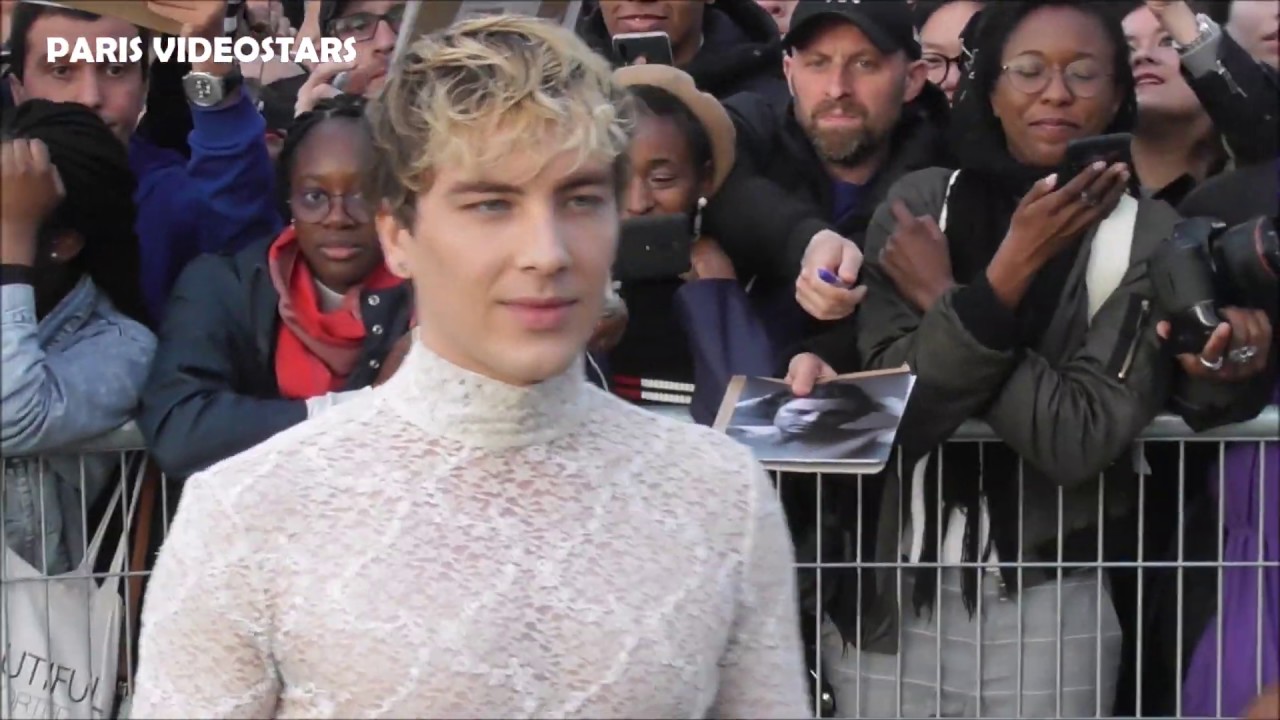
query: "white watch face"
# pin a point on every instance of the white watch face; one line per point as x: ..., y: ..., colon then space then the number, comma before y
x: 204, y: 89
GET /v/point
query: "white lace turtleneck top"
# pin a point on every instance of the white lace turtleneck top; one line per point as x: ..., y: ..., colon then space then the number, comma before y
x: 449, y: 546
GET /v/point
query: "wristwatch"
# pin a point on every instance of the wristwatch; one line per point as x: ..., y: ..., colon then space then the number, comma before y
x: 1206, y: 29
x: 205, y: 90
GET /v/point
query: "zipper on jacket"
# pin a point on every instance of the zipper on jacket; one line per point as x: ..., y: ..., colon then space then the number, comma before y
x: 1231, y: 81
x: 1137, y: 338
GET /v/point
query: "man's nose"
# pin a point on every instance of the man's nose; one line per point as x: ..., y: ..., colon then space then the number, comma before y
x: 838, y: 85
x: 544, y: 249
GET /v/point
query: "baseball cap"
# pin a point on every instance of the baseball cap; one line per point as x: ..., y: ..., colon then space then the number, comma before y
x: 888, y: 24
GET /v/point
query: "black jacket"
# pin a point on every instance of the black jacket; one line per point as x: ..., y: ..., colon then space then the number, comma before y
x: 212, y: 392
x: 741, y: 51
x: 779, y: 194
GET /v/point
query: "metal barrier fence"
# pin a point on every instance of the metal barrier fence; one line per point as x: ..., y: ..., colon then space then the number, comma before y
x: 1166, y: 575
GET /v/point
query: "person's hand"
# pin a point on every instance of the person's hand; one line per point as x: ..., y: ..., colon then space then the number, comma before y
x: 199, y: 18
x: 1266, y: 706
x: 610, y: 329
x: 319, y: 86
x: 1177, y: 18
x: 917, y: 258
x: 1239, y: 348
x: 30, y: 189
x: 708, y: 261
x: 267, y: 19
x: 805, y: 371
x: 1049, y: 218
x: 394, y: 359
x: 840, y: 257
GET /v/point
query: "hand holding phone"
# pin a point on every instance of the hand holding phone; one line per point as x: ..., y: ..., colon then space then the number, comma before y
x: 1109, y: 149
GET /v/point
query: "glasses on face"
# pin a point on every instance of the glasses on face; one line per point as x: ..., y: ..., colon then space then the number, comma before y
x: 361, y: 26
x: 1084, y: 78
x: 939, y: 66
x: 313, y: 206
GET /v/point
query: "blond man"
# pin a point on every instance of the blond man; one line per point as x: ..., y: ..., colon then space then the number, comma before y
x: 485, y: 535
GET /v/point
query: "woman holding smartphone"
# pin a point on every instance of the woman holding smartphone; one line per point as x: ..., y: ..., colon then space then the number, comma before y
x: 1019, y: 296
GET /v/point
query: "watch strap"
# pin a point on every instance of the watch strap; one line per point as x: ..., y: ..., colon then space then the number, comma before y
x: 1207, y: 30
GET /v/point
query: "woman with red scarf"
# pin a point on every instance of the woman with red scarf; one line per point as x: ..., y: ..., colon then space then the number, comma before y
x: 259, y: 341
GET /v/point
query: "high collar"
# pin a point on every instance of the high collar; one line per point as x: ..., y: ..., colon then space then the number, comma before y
x: 457, y: 404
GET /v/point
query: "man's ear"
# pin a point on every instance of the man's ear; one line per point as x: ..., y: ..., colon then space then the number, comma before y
x: 917, y: 76
x: 787, y: 62
x: 393, y: 237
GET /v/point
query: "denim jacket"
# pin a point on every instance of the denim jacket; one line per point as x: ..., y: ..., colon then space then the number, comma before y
x: 74, y: 375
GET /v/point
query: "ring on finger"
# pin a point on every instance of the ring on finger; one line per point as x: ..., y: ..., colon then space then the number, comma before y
x: 1243, y: 355
x: 1088, y: 199
x: 1211, y: 366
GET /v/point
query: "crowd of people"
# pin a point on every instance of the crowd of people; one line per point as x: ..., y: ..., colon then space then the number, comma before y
x: 357, y: 311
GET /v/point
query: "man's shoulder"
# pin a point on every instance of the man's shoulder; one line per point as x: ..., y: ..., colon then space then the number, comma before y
x: 334, y: 445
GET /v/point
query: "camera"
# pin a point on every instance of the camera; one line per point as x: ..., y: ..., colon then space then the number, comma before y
x: 1207, y: 265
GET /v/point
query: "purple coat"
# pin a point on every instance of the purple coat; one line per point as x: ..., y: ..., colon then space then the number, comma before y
x: 1252, y: 485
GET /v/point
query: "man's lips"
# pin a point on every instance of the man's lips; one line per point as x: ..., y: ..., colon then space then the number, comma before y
x: 540, y: 313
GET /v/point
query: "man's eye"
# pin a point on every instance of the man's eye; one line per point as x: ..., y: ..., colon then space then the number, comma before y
x: 116, y: 71
x: 60, y: 71
x: 586, y: 202
x: 490, y: 207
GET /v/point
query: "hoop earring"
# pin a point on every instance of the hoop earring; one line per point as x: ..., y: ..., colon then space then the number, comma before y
x: 697, y: 218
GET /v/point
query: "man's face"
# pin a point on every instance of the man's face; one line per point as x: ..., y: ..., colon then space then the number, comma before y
x: 848, y: 94
x: 681, y: 20
x: 115, y: 91
x: 375, y: 26
x: 510, y: 262
x: 1255, y: 24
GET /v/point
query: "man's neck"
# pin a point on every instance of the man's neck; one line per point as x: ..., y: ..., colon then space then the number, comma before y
x: 1165, y: 151
x: 861, y: 173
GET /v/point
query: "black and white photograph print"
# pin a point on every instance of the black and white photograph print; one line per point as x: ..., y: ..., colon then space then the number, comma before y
x: 846, y: 420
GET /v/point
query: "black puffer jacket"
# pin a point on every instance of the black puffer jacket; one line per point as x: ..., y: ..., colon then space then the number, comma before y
x: 741, y: 50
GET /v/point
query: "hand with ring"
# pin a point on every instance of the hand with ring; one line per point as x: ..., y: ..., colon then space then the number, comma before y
x: 1238, y: 350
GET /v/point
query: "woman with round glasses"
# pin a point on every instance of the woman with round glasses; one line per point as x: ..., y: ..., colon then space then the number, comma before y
x: 257, y: 342
x: 1020, y: 296
x: 941, y: 24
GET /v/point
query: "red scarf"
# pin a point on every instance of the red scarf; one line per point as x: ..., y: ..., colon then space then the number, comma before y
x: 315, y: 351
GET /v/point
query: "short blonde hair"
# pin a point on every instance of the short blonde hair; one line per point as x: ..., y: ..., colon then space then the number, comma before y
x: 482, y: 88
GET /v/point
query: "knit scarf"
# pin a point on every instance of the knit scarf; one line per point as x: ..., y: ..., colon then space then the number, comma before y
x: 315, y: 351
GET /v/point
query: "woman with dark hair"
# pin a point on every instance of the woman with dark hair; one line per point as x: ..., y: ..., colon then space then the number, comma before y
x: 258, y: 342
x: 75, y: 345
x: 1020, y: 296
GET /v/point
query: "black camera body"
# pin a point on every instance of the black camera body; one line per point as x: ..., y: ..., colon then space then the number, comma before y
x: 1207, y: 265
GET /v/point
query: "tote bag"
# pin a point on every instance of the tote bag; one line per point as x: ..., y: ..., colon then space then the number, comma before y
x: 60, y: 634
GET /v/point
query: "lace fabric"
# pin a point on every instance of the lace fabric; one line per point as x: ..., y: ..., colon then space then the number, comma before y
x: 451, y: 547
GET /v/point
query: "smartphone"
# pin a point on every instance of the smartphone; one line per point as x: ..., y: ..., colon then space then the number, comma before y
x: 653, y: 248
x: 654, y: 47
x: 1082, y: 153
x: 341, y: 80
